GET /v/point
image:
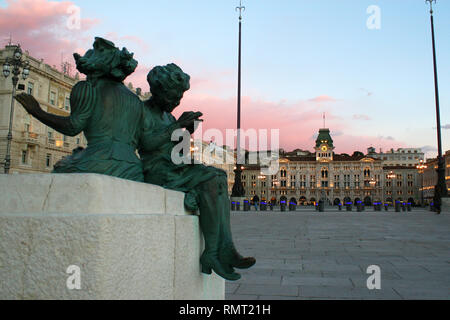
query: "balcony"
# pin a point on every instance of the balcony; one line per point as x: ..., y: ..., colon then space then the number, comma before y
x: 30, y: 137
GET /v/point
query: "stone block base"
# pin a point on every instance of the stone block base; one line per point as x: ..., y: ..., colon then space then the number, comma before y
x: 150, y: 251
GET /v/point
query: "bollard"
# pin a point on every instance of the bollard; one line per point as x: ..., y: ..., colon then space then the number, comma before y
x: 403, y: 207
x: 340, y: 207
x: 271, y: 206
x: 246, y: 205
x: 238, y: 206
x: 349, y: 206
x: 263, y: 206
x: 409, y: 207
x: 233, y: 206
x: 386, y: 207
x: 283, y: 206
x: 292, y: 206
x: 359, y: 206
x: 316, y: 205
x: 321, y: 206
x: 397, y: 206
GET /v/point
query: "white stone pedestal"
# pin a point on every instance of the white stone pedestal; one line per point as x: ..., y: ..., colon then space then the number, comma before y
x: 129, y: 240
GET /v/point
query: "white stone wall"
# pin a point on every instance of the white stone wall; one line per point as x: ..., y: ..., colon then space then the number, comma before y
x: 130, y: 240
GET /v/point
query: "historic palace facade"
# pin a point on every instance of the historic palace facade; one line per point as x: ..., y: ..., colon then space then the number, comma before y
x: 305, y: 177
x: 36, y: 147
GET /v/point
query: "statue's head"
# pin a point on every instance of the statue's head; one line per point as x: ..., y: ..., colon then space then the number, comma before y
x: 106, y: 61
x: 167, y: 85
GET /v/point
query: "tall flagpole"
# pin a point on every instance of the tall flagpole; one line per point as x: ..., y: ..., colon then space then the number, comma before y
x: 238, y: 188
x: 441, y: 187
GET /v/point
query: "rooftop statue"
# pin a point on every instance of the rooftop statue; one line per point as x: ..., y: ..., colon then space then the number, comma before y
x: 206, y: 187
x: 102, y: 107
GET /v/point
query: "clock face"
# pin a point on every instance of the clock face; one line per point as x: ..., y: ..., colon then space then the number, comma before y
x: 324, y: 148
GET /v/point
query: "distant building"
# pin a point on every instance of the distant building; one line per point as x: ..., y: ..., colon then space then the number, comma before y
x: 305, y: 177
x: 430, y: 177
x: 36, y: 147
x: 408, y: 157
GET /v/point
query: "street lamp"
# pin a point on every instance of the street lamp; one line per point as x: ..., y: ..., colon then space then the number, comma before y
x: 421, y: 168
x: 13, y: 65
x: 238, y: 188
x: 441, y: 187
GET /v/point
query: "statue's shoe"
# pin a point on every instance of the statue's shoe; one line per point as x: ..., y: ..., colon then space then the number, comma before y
x: 231, y: 257
x: 209, y: 263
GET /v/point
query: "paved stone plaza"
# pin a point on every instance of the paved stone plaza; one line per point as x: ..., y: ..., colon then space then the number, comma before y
x: 309, y: 255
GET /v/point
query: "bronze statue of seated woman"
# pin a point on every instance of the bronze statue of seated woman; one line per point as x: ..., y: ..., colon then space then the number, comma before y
x: 105, y: 110
x: 206, y: 187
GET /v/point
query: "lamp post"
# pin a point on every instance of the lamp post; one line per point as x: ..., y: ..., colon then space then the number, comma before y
x: 441, y: 187
x: 421, y: 168
x: 13, y: 65
x: 238, y: 188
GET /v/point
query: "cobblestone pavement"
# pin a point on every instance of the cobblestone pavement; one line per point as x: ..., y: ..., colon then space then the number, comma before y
x: 309, y: 255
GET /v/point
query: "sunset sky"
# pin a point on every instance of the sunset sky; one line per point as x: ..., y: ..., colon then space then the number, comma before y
x: 300, y: 58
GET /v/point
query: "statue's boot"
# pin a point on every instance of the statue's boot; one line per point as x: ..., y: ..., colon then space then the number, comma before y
x: 228, y: 254
x: 210, y: 224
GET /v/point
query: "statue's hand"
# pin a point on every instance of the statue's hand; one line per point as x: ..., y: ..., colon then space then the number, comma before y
x: 29, y: 103
x: 187, y: 120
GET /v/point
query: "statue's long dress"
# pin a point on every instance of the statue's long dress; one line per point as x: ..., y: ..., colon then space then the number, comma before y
x: 206, y: 188
x: 110, y: 116
x: 159, y: 168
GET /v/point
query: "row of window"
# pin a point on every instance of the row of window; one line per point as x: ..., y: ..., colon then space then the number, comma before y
x: 25, y: 159
x: 52, y: 98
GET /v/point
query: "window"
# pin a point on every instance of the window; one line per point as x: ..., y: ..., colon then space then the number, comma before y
x: 48, y: 160
x: 78, y: 140
x: 53, y: 98
x: 27, y: 127
x: 30, y: 88
x: 24, y: 157
x: 67, y: 104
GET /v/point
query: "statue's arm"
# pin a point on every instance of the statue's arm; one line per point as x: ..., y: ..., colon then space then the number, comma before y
x: 59, y: 123
x: 82, y: 99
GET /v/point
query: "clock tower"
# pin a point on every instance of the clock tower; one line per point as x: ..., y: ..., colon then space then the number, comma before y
x: 324, y: 146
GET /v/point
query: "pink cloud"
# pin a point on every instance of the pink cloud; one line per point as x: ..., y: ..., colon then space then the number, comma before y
x: 323, y: 99
x: 41, y: 27
x: 361, y: 117
x: 297, y: 121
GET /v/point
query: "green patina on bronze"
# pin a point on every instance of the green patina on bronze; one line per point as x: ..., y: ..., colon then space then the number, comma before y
x: 117, y: 123
x: 105, y: 110
x: 206, y: 187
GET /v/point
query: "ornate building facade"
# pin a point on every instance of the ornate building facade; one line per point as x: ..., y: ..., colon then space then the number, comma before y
x: 36, y: 147
x: 305, y: 177
x: 430, y: 177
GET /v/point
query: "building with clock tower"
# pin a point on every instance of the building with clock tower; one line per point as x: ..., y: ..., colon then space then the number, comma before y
x: 305, y: 177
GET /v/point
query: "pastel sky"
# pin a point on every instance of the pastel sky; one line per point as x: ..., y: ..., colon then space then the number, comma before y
x: 300, y: 58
